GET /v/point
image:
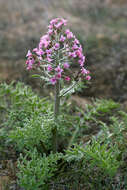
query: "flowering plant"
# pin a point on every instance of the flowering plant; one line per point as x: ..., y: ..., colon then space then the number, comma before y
x: 56, y: 52
x: 54, y: 57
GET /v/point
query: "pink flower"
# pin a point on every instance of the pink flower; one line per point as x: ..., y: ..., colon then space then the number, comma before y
x: 49, y: 59
x: 58, y: 76
x: 53, y: 80
x: 49, y: 68
x: 45, y: 37
x: 64, y: 22
x: 40, y: 45
x: 49, y: 51
x: 50, y: 31
x: 80, y: 48
x: 49, y: 55
x: 29, y: 67
x: 40, y: 52
x: 62, y: 38
x: 67, y: 78
x: 54, y: 21
x: 66, y: 65
x: 27, y: 62
x: 84, y: 71
x: 50, y: 27
x: 82, y: 58
x: 81, y: 63
x: 35, y: 50
x: 72, y: 54
x: 76, y: 41
x: 74, y: 47
x: 67, y: 31
x: 30, y: 63
x: 57, y: 45
x: 58, y: 25
x: 58, y: 22
x: 44, y: 41
x: 58, y: 69
x: 55, y: 31
x: 29, y: 54
x: 88, y: 77
x: 69, y: 34
x: 78, y: 53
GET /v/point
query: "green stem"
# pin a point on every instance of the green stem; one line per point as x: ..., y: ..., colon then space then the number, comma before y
x: 57, y: 100
x: 56, y: 113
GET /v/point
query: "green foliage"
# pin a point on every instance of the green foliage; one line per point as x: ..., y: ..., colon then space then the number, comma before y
x: 21, y: 106
x: 102, y: 107
x: 91, y: 143
x: 36, y: 171
x: 97, y: 154
x: 22, y: 102
x: 35, y: 132
x: 105, y: 106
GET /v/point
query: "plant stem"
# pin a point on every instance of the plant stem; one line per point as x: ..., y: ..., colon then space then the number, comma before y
x: 57, y: 100
x: 56, y: 113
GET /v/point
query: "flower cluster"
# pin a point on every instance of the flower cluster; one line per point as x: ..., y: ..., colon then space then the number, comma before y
x: 56, y: 52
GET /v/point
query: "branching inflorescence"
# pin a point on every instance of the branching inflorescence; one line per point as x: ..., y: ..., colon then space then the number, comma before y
x: 54, y: 57
x: 56, y: 52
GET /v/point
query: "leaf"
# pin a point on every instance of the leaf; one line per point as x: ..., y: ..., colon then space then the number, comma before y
x: 68, y: 90
x: 36, y: 76
x: 44, y: 78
